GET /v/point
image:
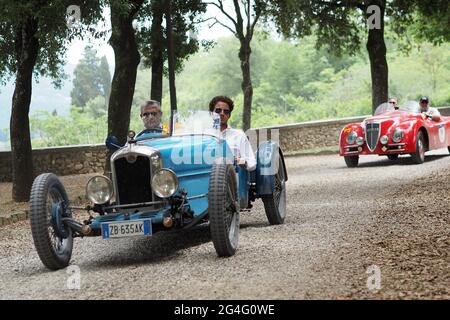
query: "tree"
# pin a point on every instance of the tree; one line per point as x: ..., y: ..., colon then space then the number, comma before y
x: 86, y: 83
x: 243, y: 22
x: 127, y: 58
x: 105, y: 79
x: 339, y: 25
x: 431, y: 19
x: 33, y: 39
x: 91, y: 79
x: 153, y: 41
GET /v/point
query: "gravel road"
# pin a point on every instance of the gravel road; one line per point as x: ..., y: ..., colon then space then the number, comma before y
x: 340, y: 221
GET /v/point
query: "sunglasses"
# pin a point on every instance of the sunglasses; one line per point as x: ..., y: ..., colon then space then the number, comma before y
x: 219, y: 111
x: 146, y: 114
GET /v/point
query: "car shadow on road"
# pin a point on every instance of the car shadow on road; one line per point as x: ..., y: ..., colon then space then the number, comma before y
x: 149, y: 250
x: 402, y: 161
x: 256, y: 225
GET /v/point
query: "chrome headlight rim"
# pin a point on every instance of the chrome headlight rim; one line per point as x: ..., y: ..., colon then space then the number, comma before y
x: 360, y: 141
x: 384, y: 140
x: 155, y: 187
x: 90, y: 195
x: 351, y: 137
x: 398, y: 135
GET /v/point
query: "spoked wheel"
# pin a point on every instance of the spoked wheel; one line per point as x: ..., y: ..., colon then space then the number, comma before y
x: 351, y: 161
x: 48, y: 202
x: 224, y: 209
x: 275, y: 203
x: 393, y: 157
x: 418, y: 157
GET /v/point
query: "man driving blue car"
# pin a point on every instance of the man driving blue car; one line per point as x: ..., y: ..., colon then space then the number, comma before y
x: 151, y: 117
x: 235, y: 138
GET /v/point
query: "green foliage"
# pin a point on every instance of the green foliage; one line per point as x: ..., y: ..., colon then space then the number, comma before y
x: 293, y: 83
x: 424, y: 20
x: 77, y: 128
x: 53, y: 34
x: 185, y: 18
x: 91, y: 79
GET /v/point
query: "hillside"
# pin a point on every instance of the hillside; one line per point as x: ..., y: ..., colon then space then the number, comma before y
x: 44, y: 97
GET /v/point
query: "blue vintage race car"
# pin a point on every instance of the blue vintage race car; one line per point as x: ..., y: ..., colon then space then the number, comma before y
x: 161, y: 182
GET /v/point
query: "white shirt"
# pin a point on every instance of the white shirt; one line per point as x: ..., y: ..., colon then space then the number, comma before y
x: 240, y: 146
x: 432, y: 112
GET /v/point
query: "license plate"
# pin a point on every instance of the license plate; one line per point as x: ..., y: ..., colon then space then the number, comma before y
x: 126, y: 229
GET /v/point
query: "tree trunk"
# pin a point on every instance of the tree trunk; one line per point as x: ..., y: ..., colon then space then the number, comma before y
x: 157, y: 38
x: 247, y: 87
x: 27, y: 47
x: 376, y: 48
x: 127, y: 59
x: 171, y: 61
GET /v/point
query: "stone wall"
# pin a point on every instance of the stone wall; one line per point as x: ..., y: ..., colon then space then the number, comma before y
x: 60, y: 160
x: 89, y: 159
x: 308, y: 135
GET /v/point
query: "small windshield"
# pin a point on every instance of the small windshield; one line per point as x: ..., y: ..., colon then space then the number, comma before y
x: 410, y: 106
x: 383, y: 108
x: 197, y: 122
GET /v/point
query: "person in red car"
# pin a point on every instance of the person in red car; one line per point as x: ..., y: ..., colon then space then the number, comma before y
x: 393, y: 102
x: 428, y: 111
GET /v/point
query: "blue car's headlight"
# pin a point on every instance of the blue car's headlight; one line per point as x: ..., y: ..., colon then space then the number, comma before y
x: 165, y: 183
x: 99, y: 189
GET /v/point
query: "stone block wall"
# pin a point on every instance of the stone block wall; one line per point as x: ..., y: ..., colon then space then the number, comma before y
x: 60, y: 160
x: 309, y: 135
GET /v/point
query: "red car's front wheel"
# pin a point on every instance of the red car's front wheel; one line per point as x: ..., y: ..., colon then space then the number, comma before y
x: 418, y: 157
x: 351, y: 161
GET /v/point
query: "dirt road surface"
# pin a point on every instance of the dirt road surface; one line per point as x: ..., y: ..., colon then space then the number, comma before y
x: 388, y: 220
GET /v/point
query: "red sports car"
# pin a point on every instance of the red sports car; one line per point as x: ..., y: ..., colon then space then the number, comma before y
x: 393, y: 132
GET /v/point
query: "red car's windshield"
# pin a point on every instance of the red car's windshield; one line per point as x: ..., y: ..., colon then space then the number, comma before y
x: 410, y: 107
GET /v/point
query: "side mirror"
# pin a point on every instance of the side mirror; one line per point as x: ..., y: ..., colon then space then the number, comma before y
x: 112, y: 143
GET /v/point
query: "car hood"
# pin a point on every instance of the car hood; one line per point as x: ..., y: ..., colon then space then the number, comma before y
x: 392, y: 118
x: 186, y: 152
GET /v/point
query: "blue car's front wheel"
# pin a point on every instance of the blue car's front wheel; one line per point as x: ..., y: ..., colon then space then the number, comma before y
x: 52, y: 239
x: 223, y: 209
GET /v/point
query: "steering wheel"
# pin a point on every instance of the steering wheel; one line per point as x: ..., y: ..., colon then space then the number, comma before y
x: 152, y: 130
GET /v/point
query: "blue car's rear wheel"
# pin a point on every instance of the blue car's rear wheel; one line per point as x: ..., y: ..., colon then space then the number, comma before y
x: 275, y: 203
x: 53, y: 241
x: 223, y: 209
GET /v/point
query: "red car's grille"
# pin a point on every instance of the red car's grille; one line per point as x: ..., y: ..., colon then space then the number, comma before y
x: 372, y: 135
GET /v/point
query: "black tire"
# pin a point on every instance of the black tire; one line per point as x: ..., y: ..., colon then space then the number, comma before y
x: 393, y: 157
x: 351, y: 161
x: 448, y: 149
x: 54, y: 251
x: 418, y: 157
x: 275, y: 204
x: 223, y: 209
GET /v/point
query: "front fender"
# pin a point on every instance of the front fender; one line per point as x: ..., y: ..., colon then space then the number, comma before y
x: 268, y: 157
